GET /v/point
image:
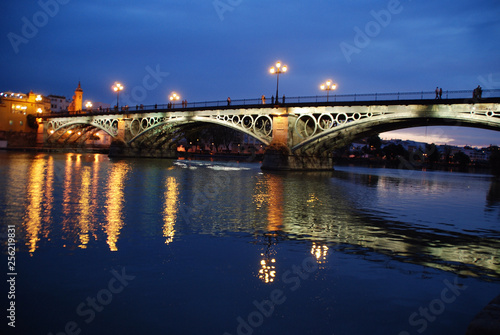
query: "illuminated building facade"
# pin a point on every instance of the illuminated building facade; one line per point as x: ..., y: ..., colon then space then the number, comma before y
x: 77, y: 103
x: 15, y: 108
x: 58, y: 103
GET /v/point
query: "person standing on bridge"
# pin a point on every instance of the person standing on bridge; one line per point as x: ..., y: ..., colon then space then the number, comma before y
x: 263, y: 99
x: 229, y: 101
x: 440, y: 93
x: 283, y: 99
x: 437, y: 92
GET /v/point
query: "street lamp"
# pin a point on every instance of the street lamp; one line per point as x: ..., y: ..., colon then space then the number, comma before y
x: 88, y: 105
x: 328, y: 86
x: 277, y: 69
x: 174, y: 97
x: 117, y: 87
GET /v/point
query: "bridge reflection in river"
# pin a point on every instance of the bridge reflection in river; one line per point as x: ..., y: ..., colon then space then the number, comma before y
x: 78, y: 200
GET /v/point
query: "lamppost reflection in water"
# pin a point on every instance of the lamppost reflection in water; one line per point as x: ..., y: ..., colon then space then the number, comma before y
x: 320, y: 252
x: 170, y: 209
x: 33, y: 217
x: 114, y: 204
x: 84, y: 221
x: 88, y: 204
x: 270, y: 192
x: 267, y: 272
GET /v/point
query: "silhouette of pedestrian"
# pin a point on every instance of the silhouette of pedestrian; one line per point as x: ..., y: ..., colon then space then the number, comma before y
x: 272, y: 99
x: 229, y: 101
x: 479, y: 92
x: 156, y: 106
x: 263, y: 99
x: 437, y: 92
x: 283, y: 98
x: 440, y: 93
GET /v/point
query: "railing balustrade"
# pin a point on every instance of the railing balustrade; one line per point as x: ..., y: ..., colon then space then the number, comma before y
x: 332, y: 99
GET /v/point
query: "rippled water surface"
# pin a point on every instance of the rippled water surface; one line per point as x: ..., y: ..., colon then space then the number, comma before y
x: 197, y: 247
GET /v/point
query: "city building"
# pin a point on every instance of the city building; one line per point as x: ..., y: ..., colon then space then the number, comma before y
x: 58, y: 103
x: 77, y: 102
x: 16, y: 107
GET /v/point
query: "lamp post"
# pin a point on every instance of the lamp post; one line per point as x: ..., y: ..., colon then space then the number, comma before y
x: 277, y: 69
x: 328, y: 86
x: 117, y: 87
x: 173, y: 97
x: 88, y: 105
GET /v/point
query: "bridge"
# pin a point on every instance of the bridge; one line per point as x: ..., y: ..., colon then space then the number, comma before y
x: 300, y: 133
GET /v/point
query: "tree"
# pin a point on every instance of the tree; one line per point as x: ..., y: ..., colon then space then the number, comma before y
x: 461, y: 158
x: 432, y: 152
x: 31, y: 121
x: 495, y: 160
x: 374, y: 141
x: 393, y: 151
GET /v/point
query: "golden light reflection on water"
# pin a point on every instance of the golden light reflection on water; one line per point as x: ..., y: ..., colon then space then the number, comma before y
x: 35, y: 191
x: 49, y: 195
x: 68, y: 191
x: 270, y: 191
x: 84, y: 219
x: 170, y: 209
x: 320, y: 252
x: 267, y: 271
x: 114, y: 203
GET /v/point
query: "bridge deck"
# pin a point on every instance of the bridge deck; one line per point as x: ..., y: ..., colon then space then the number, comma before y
x: 163, y: 109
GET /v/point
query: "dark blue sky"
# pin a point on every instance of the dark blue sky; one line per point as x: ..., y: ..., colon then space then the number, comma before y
x: 208, y: 50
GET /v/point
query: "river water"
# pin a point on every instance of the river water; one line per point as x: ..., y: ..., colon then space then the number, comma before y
x: 144, y: 246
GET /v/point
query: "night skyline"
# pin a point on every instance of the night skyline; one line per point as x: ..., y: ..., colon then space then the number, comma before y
x: 216, y: 49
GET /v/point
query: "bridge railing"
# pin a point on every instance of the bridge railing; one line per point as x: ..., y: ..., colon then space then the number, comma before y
x: 330, y: 98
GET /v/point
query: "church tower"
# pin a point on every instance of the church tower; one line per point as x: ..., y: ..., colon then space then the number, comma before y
x: 77, y: 103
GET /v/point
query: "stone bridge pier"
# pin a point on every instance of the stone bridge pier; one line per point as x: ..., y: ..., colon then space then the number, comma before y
x: 279, y: 155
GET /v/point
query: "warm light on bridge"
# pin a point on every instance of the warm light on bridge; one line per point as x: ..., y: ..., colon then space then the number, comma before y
x: 117, y: 87
x: 277, y: 69
x: 328, y: 86
x: 174, y: 96
x: 88, y: 104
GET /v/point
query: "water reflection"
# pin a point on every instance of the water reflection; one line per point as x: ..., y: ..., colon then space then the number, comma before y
x: 493, y: 197
x: 320, y: 252
x: 33, y: 217
x: 170, y: 209
x: 267, y: 271
x: 84, y: 218
x: 75, y: 199
x: 350, y: 217
x: 114, y: 203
